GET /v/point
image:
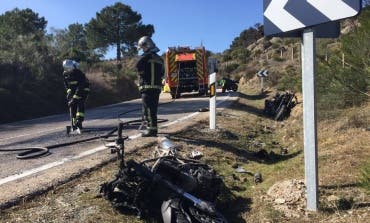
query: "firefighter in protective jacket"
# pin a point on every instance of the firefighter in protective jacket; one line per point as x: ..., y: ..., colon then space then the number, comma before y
x: 150, y: 69
x: 78, y: 88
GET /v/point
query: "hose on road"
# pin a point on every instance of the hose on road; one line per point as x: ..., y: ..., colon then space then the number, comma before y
x: 33, y: 152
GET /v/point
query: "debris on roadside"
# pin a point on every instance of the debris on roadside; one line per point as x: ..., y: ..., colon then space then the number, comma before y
x: 165, y: 148
x: 257, y: 177
x: 283, y: 151
x: 195, y: 154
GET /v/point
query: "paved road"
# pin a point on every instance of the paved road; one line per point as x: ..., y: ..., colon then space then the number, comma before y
x: 51, y: 130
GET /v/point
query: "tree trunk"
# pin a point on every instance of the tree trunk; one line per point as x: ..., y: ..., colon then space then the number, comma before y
x: 118, y: 52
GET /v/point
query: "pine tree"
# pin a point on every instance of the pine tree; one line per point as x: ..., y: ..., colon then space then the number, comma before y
x: 118, y: 26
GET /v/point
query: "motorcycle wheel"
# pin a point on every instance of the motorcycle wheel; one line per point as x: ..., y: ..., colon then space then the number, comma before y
x: 280, y: 113
x: 234, y: 87
x: 204, y: 217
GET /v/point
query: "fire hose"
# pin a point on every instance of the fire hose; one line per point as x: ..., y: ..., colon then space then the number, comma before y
x: 37, y: 151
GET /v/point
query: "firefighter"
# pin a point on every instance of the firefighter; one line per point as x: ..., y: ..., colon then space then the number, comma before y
x: 78, y: 88
x: 150, y: 68
x: 228, y: 84
x: 225, y: 84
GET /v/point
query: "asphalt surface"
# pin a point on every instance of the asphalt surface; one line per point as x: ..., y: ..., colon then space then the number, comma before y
x: 51, y: 130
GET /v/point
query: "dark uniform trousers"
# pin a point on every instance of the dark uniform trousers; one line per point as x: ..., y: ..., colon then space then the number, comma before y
x: 78, y: 112
x: 150, y: 98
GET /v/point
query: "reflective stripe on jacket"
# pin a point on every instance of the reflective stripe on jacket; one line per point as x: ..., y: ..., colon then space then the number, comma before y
x: 76, y: 83
x: 150, y: 69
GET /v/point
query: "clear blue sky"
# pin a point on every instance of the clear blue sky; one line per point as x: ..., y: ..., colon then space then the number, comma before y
x: 215, y: 23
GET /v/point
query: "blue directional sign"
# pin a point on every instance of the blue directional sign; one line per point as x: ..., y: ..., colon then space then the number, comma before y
x: 284, y: 16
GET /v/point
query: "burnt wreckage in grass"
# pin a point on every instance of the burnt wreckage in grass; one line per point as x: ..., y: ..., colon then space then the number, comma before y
x: 167, y: 188
x: 280, y: 106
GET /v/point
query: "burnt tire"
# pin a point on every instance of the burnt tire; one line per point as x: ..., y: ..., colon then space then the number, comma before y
x: 180, y: 217
x: 234, y: 87
x: 199, y: 216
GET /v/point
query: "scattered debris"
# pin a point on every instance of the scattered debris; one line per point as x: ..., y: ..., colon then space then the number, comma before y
x: 203, y: 109
x: 165, y: 148
x: 195, y: 154
x: 257, y: 178
x: 241, y: 170
x: 283, y: 151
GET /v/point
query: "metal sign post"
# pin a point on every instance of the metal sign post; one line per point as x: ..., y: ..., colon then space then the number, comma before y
x: 309, y: 117
x: 212, y: 101
x: 262, y: 84
x: 291, y: 18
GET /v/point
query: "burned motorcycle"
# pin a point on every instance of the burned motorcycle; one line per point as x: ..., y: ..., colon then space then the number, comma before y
x: 228, y: 85
x: 167, y: 188
x: 280, y: 105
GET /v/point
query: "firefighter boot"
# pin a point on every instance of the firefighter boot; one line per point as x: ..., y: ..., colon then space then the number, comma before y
x: 149, y: 133
x: 79, y: 124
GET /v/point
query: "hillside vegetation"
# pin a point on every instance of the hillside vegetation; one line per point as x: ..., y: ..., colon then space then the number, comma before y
x: 30, y: 62
x: 31, y: 83
x: 343, y: 64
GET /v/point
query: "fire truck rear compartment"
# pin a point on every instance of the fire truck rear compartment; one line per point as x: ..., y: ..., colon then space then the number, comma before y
x: 188, y: 76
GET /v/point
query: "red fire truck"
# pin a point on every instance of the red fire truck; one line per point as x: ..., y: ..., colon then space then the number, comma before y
x: 186, y: 70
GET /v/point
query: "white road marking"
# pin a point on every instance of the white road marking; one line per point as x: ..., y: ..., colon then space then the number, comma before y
x: 30, y: 134
x: 86, y: 153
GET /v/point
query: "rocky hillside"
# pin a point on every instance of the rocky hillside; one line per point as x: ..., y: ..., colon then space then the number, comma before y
x: 342, y: 75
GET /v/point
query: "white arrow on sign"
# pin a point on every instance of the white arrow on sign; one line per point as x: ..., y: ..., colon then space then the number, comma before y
x: 282, y: 16
x: 333, y: 9
x: 262, y: 73
x: 285, y: 21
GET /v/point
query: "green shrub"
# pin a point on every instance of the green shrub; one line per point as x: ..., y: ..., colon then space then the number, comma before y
x: 231, y: 67
x: 290, y: 81
x: 278, y: 58
x: 365, y: 177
